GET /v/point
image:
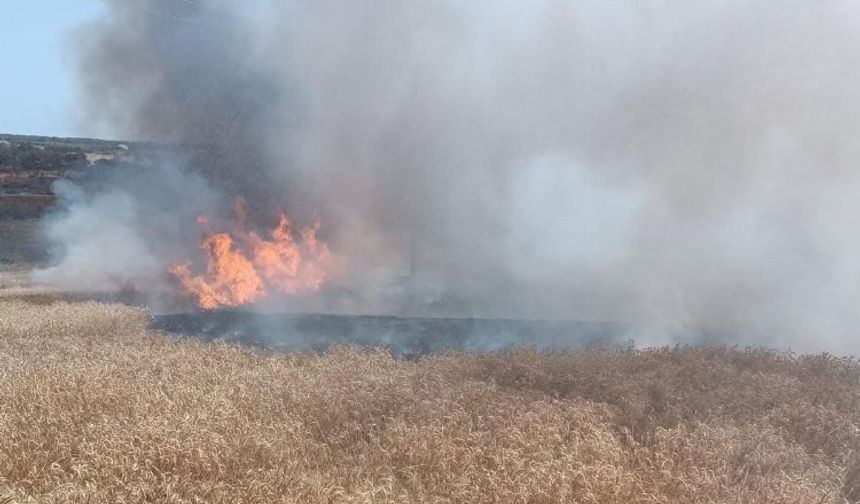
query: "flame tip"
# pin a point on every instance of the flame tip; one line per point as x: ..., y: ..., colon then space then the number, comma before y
x: 248, y: 268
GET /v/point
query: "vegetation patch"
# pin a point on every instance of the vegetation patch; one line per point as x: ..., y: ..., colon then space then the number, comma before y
x: 95, y: 407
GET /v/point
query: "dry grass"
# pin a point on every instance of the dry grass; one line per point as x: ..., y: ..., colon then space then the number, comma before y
x: 94, y: 408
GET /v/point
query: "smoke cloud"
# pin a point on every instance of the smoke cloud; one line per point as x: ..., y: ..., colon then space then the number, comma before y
x: 669, y: 164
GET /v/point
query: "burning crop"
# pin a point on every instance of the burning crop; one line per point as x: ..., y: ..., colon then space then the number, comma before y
x: 243, y: 267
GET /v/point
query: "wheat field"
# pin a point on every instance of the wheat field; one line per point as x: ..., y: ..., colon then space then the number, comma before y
x: 95, y: 408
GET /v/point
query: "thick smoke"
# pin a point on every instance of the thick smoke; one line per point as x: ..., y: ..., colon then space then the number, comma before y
x: 120, y: 232
x: 671, y: 164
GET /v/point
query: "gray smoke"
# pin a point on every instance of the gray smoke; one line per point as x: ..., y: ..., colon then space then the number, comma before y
x: 122, y: 233
x: 665, y: 163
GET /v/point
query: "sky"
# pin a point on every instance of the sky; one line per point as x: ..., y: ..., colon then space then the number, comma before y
x: 38, y: 84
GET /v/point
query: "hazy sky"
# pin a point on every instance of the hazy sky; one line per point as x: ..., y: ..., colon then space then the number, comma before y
x: 38, y: 83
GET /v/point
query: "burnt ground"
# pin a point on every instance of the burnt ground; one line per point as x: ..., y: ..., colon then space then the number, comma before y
x: 403, y: 336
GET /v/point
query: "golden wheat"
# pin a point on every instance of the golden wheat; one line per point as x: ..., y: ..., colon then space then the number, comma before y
x: 96, y: 408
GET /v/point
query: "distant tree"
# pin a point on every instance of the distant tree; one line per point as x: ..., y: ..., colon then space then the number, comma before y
x: 74, y: 161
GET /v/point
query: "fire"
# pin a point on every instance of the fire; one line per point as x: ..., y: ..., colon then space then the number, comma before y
x: 244, y: 267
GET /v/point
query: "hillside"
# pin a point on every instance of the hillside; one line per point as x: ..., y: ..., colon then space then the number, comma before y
x: 29, y: 165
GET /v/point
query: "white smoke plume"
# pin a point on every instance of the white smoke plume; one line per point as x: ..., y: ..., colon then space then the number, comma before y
x: 665, y: 163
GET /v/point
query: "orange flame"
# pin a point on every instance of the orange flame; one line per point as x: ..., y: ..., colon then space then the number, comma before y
x: 246, y: 268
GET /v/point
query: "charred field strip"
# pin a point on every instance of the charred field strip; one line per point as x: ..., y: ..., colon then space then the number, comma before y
x: 403, y: 337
